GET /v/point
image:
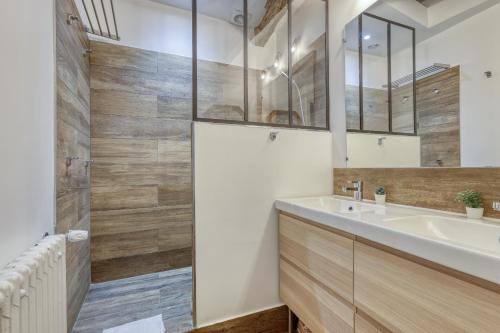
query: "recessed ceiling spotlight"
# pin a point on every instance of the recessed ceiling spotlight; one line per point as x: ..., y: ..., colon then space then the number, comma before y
x: 295, y: 45
x: 277, y: 61
x: 367, y: 37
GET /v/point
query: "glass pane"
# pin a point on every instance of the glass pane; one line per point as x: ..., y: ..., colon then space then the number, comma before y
x: 268, y: 61
x: 402, y: 79
x: 220, y: 60
x: 352, y: 75
x: 309, y: 63
x: 375, y: 69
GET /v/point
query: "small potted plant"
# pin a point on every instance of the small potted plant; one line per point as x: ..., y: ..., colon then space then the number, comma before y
x: 380, y: 195
x: 473, y: 203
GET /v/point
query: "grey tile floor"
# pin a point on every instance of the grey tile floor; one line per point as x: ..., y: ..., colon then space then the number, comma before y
x: 118, y: 302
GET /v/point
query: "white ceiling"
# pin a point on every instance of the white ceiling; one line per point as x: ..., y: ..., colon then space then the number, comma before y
x: 429, y: 3
x: 222, y: 9
x: 400, y: 41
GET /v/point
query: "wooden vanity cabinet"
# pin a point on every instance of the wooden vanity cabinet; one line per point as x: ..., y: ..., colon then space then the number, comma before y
x: 405, y: 296
x: 316, y: 275
x: 337, y: 282
x: 325, y: 255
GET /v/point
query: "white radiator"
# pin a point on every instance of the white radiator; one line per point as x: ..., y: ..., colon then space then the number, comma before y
x: 33, y: 289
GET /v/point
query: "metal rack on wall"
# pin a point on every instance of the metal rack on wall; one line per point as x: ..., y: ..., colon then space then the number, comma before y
x: 101, y: 18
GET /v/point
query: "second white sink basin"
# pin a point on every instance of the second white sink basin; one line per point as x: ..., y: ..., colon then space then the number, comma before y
x: 334, y: 205
x: 479, y: 235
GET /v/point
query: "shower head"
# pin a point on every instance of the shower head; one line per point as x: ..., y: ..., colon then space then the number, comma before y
x: 238, y: 18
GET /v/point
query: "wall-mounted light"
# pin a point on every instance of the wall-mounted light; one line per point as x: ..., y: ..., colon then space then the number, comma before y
x: 367, y: 37
x: 405, y: 99
x: 263, y: 75
x: 277, y: 61
x: 295, y: 45
x: 436, y: 91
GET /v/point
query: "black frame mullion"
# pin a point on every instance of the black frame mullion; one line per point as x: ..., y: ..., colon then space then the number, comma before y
x: 245, y: 60
x: 415, y: 118
x: 389, y: 76
x: 194, y: 49
x: 327, y: 67
x: 290, y: 65
x: 360, y: 84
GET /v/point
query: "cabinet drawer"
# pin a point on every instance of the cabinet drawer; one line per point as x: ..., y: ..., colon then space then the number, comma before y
x: 320, y: 310
x: 323, y: 254
x: 407, y: 297
x: 364, y: 325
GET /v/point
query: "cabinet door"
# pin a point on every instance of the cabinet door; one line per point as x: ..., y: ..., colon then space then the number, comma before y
x: 408, y: 297
x: 326, y: 256
x: 364, y: 325
x: 320, y: 310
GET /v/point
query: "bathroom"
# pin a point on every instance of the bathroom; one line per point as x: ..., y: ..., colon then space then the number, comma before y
x: 249, y: 166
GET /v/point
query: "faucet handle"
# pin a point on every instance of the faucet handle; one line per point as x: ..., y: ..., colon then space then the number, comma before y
x: 356, y: 183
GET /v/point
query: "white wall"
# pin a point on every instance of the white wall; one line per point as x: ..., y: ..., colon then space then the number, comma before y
x: 157, y: 27
x: 340, y: 13
x: 27, y: 94
x: 239, y: 173
x: 396, y: 151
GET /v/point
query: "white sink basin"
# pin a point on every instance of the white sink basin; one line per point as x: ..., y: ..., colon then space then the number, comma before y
x: 479, y: 235
x: 333, y: 205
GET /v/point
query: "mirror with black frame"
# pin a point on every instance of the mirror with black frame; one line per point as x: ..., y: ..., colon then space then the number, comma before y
x: 422, y: 85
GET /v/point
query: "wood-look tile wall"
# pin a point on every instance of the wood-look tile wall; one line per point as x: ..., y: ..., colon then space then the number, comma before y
x: 439, y: 119
x: 73, y: 139
x: 425, y: 187
x: 141, y: 176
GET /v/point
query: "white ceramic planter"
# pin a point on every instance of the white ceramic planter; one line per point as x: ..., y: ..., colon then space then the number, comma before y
x: 474, y: 213
x: 380, y: 199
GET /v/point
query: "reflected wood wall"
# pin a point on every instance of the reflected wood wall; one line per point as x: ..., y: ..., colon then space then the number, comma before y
x: 73, y: 139
x: 141, y: 177
x: 425, y: 187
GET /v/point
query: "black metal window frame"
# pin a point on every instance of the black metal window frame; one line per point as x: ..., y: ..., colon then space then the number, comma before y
x: 389, y: 76
x: 245, y: 120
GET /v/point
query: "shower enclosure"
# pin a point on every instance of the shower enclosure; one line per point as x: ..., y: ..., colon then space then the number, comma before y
x: 268, y: 66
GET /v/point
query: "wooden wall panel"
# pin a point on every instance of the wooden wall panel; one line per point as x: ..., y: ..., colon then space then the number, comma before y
x: 268, y: 321
x: 425, y: 187
x: 141, y: 147
x: 73, y: 139
x: 439, y: 119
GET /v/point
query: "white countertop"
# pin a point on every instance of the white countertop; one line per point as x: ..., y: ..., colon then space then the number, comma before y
x: 469, y: 246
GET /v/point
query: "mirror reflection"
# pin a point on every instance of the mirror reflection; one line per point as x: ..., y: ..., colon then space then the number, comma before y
x: 422, y: 87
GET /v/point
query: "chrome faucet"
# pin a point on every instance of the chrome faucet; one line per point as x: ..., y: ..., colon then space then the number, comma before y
x: 357, y: 188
